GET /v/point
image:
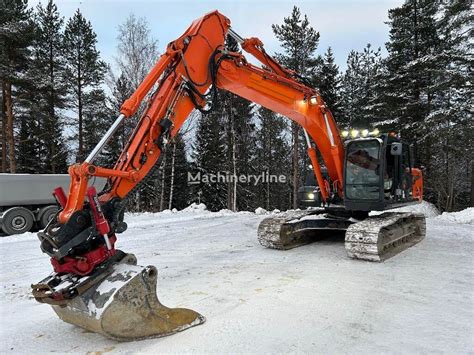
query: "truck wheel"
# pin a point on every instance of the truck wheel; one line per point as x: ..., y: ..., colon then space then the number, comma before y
x: 46, y: 214
x: 17, y: 220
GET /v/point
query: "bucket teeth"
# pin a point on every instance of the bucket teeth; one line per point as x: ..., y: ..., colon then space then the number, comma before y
x: 125, y: 307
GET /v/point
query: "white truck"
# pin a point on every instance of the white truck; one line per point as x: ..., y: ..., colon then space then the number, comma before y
x: 27, y: 202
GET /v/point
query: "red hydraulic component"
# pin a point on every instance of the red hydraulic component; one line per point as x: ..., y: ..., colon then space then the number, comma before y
x: 60, y: 196
x: 101, y: 223
x: 84, y: 264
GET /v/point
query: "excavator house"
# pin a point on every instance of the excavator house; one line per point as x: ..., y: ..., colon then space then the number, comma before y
x: 100, y: 288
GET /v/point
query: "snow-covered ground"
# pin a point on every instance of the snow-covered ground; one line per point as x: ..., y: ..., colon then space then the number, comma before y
x: 311, y: 299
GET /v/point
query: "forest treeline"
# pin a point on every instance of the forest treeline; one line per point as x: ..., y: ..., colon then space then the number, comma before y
x: 59, y: 97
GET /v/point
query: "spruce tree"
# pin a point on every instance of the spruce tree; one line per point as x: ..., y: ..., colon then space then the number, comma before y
x: 240, y: 150
x: 359, y: 88
x: 273, y: 158
x: 95, y: 120
x: 328, y: 80
x: 210, y: 158
x: 85, y: 70
x: 299, y: 41
x: 449, y: 178
x: 29, y: 159
x: 239, y: 132
x: 410, y: 64
x: 352, y: 90
x: 176, y: 189
x: 121, y: 90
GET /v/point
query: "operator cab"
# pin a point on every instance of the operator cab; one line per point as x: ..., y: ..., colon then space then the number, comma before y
x: 378, y: 174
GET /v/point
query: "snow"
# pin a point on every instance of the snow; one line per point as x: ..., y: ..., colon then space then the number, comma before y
x: 311, y: 299
x: 425, y: 208
x: 110, y: 287
x: 261, y: 211
x: 466, y: 216
x: 196, y: 207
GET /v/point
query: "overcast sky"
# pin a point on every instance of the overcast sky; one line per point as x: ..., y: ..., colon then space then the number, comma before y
x: 342, y: 24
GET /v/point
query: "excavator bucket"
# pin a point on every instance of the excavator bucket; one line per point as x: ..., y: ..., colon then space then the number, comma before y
x: 124, y: 306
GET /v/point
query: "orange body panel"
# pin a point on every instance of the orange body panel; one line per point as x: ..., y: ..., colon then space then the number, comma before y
x: 417, y: 188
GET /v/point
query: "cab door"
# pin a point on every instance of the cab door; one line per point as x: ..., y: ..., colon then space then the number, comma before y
x: 363, y: 175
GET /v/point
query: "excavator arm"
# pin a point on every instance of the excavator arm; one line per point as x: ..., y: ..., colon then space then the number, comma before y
x: 184, y: 78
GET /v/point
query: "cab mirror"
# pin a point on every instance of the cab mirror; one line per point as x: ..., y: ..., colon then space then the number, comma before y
x: 396, y: 148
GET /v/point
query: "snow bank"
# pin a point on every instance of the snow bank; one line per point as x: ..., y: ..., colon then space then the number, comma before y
x: 260, y: 211
x: 195, y: 207
x: 462, y: 217
x: 427, y: 209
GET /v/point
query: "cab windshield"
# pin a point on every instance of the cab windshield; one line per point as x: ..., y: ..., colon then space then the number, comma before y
x: 362, y: 170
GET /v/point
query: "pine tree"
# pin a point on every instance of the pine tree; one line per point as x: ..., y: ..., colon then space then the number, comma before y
x: 16, y: 35
x: 428, y: 92
x: 48, y: 70
x: 371, y: 65
x: 299, y: 41
x: 85, y: 70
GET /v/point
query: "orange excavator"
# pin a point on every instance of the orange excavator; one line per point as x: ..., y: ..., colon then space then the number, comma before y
x: 100, y: 288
